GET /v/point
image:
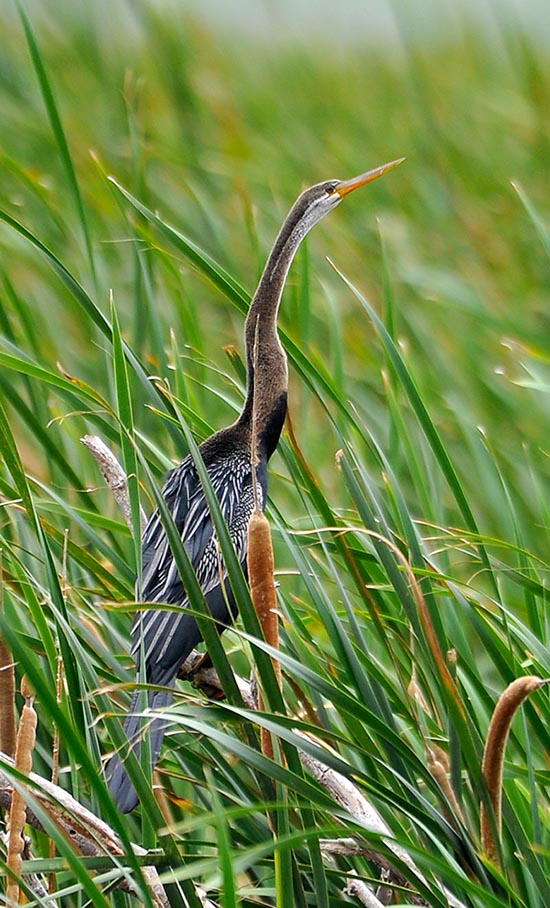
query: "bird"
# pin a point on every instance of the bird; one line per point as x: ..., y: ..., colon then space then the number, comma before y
x: 162, y: 639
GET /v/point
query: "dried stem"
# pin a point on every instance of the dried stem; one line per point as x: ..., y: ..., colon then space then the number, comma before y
x: 114, y: 476
x: 55, y: 748
x: 7, y: 688
x: 26, y: 737
x: 439, y: 769
x: 359, y: 890
x: 88, y: 834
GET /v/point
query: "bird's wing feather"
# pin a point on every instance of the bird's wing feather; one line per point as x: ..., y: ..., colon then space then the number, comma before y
x: 182, y: 493
x: 159, y: 631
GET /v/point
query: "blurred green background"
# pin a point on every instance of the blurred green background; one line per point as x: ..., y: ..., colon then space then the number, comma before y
x: 217, y: 120
x: 215, y: 116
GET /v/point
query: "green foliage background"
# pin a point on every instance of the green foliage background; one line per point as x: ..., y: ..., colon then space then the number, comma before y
x: 124, y: 318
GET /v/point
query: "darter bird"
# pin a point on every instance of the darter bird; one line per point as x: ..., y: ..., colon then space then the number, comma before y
x: 162, y: 640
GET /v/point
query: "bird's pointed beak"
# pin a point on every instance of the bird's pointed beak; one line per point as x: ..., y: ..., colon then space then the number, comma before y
x: 346, y: 186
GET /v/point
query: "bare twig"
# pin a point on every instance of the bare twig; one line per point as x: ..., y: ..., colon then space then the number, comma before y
x: 359, y: 890
x: 114, y: 476
x: 88, y: 834
x: 199, y: 671
x: 348, y: 796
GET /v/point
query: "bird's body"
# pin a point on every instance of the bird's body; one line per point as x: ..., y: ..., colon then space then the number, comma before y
x: 163, y: 636
x: 162, y: 639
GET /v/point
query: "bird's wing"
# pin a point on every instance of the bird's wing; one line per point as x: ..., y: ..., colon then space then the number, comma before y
x: 159, y: 630
x: 182, y: 493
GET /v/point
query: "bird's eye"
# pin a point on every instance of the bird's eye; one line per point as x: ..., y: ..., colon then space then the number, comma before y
x: 330, y: 186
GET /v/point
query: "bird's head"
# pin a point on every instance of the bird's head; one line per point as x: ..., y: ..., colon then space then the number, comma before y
x: 315, y: 202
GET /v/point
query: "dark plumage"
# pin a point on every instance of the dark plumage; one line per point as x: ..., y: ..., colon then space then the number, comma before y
x: 167, y: 637
x: 164, y: 639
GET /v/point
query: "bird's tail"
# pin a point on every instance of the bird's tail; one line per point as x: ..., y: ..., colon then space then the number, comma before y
x: 122, y: 791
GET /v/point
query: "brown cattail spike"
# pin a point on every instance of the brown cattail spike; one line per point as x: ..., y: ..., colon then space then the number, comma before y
x: 493, y: 754
x: 262, y: 591
x: 7, y: 701
x: 7, y: 688
x: 26, y: 736
x: 260, y: 574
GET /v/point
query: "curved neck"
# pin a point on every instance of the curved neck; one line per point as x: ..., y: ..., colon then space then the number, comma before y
x: 267, y: 374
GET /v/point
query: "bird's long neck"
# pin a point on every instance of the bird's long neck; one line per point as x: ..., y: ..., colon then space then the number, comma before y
x: 267, y: 373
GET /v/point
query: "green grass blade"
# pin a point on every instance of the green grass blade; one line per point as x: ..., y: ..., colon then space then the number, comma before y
x: 425, y: 421
x: 59, y: 134
x: 127, y: 439
x: 204, y: 263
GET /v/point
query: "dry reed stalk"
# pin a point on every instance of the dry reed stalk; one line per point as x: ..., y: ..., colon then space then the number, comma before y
x: 26, y: 736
